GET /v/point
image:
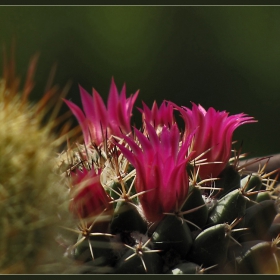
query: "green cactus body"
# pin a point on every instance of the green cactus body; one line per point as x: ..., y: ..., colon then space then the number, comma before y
x: 263, y: 196
x: 210, y: 246
x: 172, y: 233
x: 272, y: 232
x: 198, y: 217
x: 251, y: 183
x: 127, y: 219
x: 258, y: 219
x: 260, y: 258
x: 146, y: 262
x: 228, y: 208
x: 229, y: 180
x: 100, y: 251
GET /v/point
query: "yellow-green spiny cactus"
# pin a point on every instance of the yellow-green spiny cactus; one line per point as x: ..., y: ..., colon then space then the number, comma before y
x: 32, y: 196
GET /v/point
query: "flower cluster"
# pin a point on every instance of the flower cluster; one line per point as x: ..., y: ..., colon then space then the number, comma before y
x: 158, y: 153
x: 141, y: 200
x: 213, y: 137
x: 97, y: 121
x: 89, y: 197
x: 160, y: 163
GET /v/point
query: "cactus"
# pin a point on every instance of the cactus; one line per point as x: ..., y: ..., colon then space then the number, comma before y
x: 33, y: 199
x: 156, y: 200
x: 177, y: 202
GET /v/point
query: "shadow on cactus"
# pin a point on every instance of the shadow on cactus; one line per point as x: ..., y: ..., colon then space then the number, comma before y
x: 161, y: 200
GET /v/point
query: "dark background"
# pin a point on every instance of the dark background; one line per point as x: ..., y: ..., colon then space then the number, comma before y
x: 227, y: 57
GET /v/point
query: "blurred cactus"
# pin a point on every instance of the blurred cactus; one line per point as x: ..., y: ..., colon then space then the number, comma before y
x: 33, y: 196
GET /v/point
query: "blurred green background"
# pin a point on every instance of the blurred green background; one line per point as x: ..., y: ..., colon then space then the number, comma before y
x: 224, y: 57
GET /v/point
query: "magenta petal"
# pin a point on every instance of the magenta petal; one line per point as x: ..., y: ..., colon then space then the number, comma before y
x: 87, y: 102
x: 145, y: 143
x: 113, y: 100
x: 100, y: 108
x: 160, y: 168
x: 128, y: 154
x: 78, y: 113
x: 214, y: 131
x: 152, y: 134
x: 132, y: 99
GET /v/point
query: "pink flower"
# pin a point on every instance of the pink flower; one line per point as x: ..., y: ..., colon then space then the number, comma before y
x: 160, y: 164
x: 89, y: 197
x: 214, y: 130
x: 158, y: 116
x: 97, y: 121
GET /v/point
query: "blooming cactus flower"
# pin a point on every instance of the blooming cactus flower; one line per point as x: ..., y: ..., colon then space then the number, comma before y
x: 97, y: 121
x: 160, y: 164
x: 214, y: 130
x: 158, y: 116
x: 89, y: 197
